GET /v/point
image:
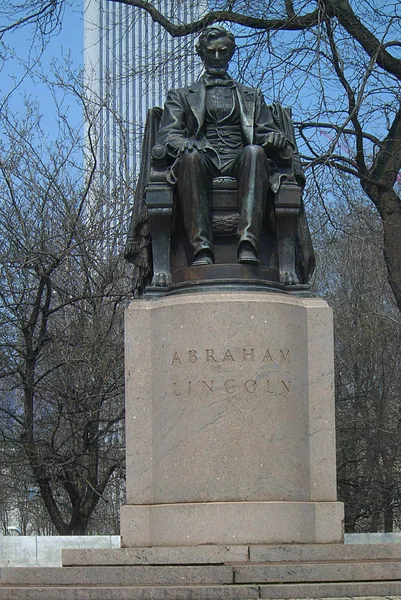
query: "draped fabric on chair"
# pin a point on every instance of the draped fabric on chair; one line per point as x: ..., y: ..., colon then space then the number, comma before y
x: 138, y: 249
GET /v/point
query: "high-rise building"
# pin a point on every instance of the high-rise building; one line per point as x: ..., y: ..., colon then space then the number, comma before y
x: 130, y: 62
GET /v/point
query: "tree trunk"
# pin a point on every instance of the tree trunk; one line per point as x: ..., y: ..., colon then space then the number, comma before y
x: 392, y: 248
x: 389, y: 206
x: 388, y: 519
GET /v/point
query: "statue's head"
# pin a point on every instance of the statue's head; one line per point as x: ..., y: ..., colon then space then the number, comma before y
x: 216, y: 46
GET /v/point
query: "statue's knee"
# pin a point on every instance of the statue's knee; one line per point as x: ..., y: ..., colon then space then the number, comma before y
x: 192, y: 156
x: 254, y: 150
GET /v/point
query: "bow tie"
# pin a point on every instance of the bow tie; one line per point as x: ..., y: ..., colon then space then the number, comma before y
x: 216, y: 81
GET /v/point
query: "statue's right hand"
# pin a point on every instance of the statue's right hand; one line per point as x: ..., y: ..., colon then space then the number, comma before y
x: 278, y: 141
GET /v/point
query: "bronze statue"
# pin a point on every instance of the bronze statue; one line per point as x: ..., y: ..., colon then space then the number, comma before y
x: 214, y: 128
x: 219, y: 127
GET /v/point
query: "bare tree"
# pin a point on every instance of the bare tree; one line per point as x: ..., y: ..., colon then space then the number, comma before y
x: 43, y: 15
x: 62, y: 294
x: 368, y: 370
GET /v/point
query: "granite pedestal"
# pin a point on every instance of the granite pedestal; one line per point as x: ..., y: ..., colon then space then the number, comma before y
x: 230, y: 421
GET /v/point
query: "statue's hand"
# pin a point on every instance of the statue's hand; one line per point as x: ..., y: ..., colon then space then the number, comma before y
x: 189, y: 145
x: 277, y: 141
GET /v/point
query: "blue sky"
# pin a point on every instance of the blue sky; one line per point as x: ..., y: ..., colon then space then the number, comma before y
x: 17, y: 83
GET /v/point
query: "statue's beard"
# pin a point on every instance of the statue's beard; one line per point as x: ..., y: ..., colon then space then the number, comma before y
x: 216, y: 71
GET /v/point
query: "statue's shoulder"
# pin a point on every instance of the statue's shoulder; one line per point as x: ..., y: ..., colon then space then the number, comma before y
x: 178, y: 91
x: 248, y: 90
x: 183, y: 91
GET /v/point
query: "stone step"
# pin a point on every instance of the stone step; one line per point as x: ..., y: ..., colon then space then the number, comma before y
x: 180, y: 555
x: 140, y: 575
x: 317, y: 572
x: 363, y: 591
x: 121, y: 576
x: 227, y: 592
x: 350, y: 590
x: 215, y: 573
x: 192, y: 555
x: 323, y: 552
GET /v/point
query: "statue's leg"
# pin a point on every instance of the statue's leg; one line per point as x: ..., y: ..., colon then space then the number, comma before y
x: 194, y: 176
x: 253, y: 185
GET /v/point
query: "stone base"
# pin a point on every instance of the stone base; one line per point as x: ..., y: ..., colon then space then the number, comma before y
x: 226, y: 523
x: 212, y: 573
x: 230, y: 429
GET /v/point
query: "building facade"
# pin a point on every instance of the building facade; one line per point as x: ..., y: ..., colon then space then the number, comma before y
x: 130, y: 62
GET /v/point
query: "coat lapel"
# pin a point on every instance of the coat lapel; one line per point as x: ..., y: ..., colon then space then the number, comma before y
x: 246, y: 99
x: 197, y: 102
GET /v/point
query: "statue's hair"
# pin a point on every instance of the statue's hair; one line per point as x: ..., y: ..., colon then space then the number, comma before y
x: 214, y: 32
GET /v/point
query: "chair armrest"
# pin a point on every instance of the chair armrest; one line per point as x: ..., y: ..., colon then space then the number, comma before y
x: 159, y: 156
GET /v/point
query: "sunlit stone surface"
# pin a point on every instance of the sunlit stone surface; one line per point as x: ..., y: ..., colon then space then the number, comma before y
x: 230, y: 421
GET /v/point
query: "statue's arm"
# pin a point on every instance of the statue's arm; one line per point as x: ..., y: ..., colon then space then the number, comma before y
x: 173, y: 127
x: 268, y: 134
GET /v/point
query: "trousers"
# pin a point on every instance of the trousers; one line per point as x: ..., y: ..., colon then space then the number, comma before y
x: 195, y: 172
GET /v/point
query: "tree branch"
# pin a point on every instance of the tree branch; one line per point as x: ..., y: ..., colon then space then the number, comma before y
x: 295, y: 23
x: 352, y: 104
x: 342, y: 10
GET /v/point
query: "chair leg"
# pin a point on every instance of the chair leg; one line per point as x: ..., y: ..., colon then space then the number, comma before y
x: 159, y: 201
x: 287, y: 210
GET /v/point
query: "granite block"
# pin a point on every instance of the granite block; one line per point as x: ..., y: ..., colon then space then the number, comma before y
x: 156, y: 556
x: 350, y: 590
x: 19, y: 551
x: 324, y: 552
x: 122, y: 576
x: 317, y: 572
x: 228, y: 523
x: 227, y: 592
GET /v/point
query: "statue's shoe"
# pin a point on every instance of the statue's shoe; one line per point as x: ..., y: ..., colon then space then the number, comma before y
x: 203, y: 259
x: 248, y: 257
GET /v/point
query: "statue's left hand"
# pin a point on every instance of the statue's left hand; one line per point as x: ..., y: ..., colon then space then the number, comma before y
x: 275, y: 140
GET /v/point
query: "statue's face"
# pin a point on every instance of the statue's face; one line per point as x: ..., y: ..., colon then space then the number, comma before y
x: 216, y: 55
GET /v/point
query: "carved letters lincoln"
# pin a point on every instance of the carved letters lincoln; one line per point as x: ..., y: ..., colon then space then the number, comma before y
x: 267, y: 374
x: 278, y: 386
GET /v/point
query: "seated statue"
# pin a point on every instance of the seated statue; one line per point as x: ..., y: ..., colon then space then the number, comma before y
x: 219, y: 128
